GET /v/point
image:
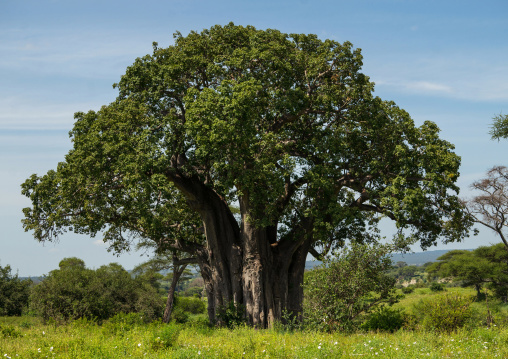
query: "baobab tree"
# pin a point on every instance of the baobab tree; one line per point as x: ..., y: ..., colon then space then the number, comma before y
x: 285, y: 127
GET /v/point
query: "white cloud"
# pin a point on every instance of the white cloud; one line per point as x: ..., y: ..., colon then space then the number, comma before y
x: 89, y: 54
x: 34, y: 114
x: 99, y: 243
x: 426, y: 86
x: 472, y: 76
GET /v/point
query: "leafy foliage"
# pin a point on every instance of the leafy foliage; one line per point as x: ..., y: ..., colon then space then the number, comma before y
x: 166, y: 337
x: 14, y: 293
x: 179, y: 316
x: 408, y: 290
x: 348, y: 286
x: 191, y: 305
x: 445, y: 312
x: 499, y: 127
x: 437, y: 287
x: 485, y: 266
x: 384, y: 318
x: 9, y: 332
x: 231, y: 315
x: 74, y: 291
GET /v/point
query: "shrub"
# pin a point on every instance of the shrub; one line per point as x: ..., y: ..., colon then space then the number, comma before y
x: 408, y: 290
x: 10, y: 332
x: 289, y: 323
x: 166, y: 337
x: 347, y: 287
x: 14, y: 293
x: 179, y: 316
x: 74, y: 291
x: 437, y: 287
x: 445, y: 312
x: 385, y: 318
x: 191, y: 305
x: 231, y: 315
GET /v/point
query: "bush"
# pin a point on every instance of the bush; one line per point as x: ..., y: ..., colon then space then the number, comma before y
x: 385, y: 318
x: 437, y: 287
x: 179, y: 316
x: 231, y: 315
x: 10, y: 332
x: 74, y: 291
x: 14, y: 293
x: 408, y: 290
x: 347, y: 287
x: 166, y: 337
x: 445, y: 312
x: 191, y: 305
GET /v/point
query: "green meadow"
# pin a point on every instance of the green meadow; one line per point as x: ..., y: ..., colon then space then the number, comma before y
x: 28, y: 337
x: 87, y: 340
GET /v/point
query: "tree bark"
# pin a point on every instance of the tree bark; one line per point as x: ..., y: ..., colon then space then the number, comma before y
x: 177, y: 273
x: 245, y: 264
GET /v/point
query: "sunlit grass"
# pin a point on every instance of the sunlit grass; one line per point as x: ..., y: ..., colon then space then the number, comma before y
x: 88, y: 340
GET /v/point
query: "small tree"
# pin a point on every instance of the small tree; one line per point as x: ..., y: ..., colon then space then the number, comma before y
x: 485, y: 266
x: 490, y: 207
x: 347, y: 286
x: 14, y: 292
x: 161, y: 262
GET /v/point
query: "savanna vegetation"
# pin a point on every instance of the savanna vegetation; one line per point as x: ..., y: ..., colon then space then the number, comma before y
x: 241, y: 152
x: 425, y: 322
x: 245, y: 151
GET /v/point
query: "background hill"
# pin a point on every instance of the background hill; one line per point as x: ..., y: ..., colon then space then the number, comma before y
x: 419, y: 258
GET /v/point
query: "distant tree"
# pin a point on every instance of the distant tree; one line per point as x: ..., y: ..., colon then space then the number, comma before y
x: 74, y: 291
x: 461, y: 266
x: 72, y: 262
x: 408, y: 272
x: 499, y: 128
x: 348, y: 286
x: 162, y: 262
x: 14, y: 292
x: 490, y: 207
x: 485, y: 266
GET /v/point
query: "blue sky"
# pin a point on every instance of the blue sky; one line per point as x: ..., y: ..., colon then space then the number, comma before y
x: 443, y: 61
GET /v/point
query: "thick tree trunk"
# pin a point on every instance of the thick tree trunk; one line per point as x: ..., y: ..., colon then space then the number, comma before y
x: 272, y: 273
x: 271, y: 283
x: 246, y: 265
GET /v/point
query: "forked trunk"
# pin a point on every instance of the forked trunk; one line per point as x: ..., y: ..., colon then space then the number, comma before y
x: 254, y: 271
x: 177, y: 273
x: 247, y: 266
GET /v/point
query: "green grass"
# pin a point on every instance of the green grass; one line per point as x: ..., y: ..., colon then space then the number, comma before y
x: 28, y: 337
x: 83, y: 339
x: 420, y: 293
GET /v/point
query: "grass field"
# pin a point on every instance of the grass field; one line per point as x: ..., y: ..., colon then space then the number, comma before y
x: 27, y: 337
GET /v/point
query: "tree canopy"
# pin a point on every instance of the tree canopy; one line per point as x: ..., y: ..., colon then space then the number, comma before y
x: 284, y: 126
x: 14, y: 292
x: 485, y: 266
x: 499, y: 128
